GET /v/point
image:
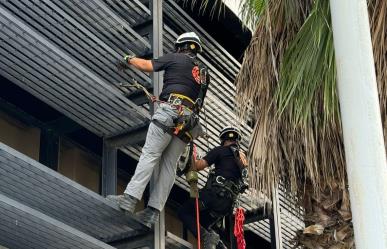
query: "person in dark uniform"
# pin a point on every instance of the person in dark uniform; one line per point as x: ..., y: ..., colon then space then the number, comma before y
x: 224, y: 184
x: 182, y: 90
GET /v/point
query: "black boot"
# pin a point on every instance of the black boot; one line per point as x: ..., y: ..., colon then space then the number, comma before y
x: 209, y: 239
x: 149, y: 216
x: 125, y: 201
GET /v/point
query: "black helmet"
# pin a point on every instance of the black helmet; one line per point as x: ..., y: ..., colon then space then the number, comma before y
x: 189, y: 38
x: 230, y: 133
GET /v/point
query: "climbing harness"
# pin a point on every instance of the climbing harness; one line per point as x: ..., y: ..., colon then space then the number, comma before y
x: 185, y: 123
x: 186, y: 120
x: 221, y: 186
x: 188, y: 110
x: 226, y: 187
x: 238, y: 228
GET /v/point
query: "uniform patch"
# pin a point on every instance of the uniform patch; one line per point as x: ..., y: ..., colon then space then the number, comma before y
x: 196, y: 74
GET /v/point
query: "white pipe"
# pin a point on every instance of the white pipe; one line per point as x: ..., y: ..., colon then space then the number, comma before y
x: 361, y: 120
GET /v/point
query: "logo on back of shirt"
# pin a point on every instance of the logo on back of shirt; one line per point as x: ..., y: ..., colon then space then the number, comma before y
x: 196, y: 74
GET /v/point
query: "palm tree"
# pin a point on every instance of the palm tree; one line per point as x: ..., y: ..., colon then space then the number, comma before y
x: 287, y: 85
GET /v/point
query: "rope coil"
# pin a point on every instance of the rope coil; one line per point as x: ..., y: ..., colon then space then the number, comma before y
x: 238, y: 228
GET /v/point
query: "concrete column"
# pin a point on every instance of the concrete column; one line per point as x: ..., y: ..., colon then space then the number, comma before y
x: 361, y: 120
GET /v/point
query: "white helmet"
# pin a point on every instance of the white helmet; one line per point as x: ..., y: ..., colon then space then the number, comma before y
x: 230, y: 133
x: 189, y: 37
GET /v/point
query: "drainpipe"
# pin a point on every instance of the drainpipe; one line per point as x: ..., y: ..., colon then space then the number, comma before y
x: 365, y: 151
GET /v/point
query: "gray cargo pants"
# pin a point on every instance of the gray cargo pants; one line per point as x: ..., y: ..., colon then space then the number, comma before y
x: 158, y: 159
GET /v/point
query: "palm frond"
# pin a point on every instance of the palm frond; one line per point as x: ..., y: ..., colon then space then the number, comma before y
x: 308, y: 68
x: 251, y: 11
x: 257, y: 82
x: 306, y: 97
x: 215, y: 7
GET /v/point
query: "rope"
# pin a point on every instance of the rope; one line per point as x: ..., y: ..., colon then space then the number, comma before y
x: 194, y: 154
x: 198, y: 221
x: 150, y: 96
x: 205, y: 123
x: 238, y: 228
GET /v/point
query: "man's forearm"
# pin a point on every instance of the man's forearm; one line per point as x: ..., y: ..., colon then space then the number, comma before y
x: 200, y: 164
x: 141, y: 64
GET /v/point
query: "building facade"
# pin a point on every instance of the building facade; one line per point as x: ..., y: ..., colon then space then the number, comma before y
x: 70, y: 134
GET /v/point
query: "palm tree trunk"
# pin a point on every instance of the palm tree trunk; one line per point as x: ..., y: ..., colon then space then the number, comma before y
x: 327, y: 220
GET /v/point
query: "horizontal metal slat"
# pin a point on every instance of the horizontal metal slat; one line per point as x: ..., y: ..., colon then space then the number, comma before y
x: 130, y: 11
x: 70, y: 212
x: 29, y: 227
x: 124, y: 109
x: 111, y: 48
x: 84, y: 72
x: 57, y: 95
x: 45, y: 190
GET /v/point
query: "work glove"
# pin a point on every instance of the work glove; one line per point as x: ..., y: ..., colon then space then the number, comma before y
x: 124, y: 63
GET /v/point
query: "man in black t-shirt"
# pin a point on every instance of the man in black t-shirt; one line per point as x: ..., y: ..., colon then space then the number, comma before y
x: 182, y: 88
x: 223, y: 185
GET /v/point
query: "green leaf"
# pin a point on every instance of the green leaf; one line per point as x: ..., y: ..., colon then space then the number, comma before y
x: 308, y: 70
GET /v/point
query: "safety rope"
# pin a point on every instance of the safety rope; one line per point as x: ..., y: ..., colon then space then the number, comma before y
x: 238, y: 228
x: 194, y: 154
x: 198, y: 220
x: 239, y: 212
x: 206, y: 137
x: 150, y: 96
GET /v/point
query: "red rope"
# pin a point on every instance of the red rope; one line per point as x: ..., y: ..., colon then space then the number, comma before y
x: 198, y: 221
x: 194, y: 154
x: 238, y: 228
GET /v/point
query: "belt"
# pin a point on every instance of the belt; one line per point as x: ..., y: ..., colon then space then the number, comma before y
x: 184, y: 136
x: 179, y: 99
x: 223, y: 183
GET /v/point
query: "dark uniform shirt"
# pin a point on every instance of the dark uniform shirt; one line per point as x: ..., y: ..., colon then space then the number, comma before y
x: 225, y: 162
x: 181, y: 75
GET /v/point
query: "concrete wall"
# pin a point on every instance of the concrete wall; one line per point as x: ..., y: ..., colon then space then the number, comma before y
x: 172, y: 223
x: 79, y: 165
x: 19, y: 136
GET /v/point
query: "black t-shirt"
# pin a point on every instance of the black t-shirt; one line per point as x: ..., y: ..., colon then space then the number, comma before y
x: 181, y: 75
x: 224, y: 160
